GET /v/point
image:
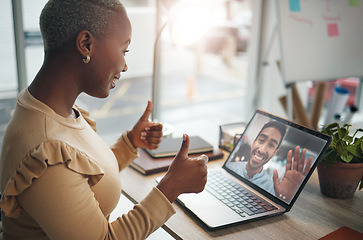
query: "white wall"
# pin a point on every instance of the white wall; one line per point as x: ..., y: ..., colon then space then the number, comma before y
x: 140, y: 57
x: 265, y: 82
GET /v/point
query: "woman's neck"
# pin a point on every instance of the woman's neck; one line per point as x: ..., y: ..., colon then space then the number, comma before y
x: 55, y: 88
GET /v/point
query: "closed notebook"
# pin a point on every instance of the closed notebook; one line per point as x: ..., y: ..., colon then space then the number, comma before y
x: 169, y: 147
x: 147, y: 165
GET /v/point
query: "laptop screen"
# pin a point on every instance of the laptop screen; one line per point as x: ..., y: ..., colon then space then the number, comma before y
x: 261, y: 156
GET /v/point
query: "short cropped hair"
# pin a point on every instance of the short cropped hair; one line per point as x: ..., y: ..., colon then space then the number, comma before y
x: 278, y: 126
x: 62, y: 20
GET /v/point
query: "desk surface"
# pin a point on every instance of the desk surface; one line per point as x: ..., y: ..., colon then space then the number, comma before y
x: 312, y: 216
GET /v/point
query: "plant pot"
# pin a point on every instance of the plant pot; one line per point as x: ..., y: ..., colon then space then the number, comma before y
x: 339, y: 180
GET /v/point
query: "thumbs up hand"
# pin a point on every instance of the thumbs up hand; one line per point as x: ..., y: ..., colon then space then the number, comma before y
x: 185, y: 175
x: 146, y: 134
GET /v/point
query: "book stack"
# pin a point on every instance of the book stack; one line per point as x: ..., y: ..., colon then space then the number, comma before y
x: 159, y: 160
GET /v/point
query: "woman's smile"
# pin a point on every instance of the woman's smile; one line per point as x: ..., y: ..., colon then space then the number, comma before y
x: 114, y: 80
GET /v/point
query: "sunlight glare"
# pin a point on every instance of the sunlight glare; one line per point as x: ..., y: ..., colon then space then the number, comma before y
x: 189, y: 24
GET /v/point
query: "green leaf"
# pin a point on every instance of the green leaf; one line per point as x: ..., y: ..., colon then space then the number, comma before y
x: 342, y: 133
x: 331, y: 158
x: 348, y: 139
x: 347, y: 158
x: 354, y: 150
x: 357, y: 141
x: 329, y: 153
x: 341, y: 148
x: 344, y: 147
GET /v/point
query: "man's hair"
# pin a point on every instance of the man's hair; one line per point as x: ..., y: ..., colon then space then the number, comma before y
x: 278, y: 126
x: 62, y: 20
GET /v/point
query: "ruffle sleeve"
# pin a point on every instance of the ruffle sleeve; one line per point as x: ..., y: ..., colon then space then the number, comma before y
x: 124, y: 151
x: 35, y: 164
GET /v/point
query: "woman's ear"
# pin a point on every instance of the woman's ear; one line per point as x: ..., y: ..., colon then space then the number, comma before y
x: 84, y: 42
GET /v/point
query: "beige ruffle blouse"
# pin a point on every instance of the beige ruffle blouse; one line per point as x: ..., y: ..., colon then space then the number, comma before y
x: 59, y: 180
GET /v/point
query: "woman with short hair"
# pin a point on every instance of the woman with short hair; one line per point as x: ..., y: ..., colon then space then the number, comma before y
x: 59, y: 180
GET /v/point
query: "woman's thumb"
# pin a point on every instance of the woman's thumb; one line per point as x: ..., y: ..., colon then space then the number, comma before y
x: 183, y: 152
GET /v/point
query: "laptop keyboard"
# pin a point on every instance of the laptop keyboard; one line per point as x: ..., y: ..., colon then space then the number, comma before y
x: 235, y: 196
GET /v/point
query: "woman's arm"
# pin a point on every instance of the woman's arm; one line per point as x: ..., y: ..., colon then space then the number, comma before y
x: 63, y: 204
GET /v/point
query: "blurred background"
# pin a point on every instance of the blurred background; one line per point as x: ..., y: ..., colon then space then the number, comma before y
x: 204, y: 63
x: 201, y: 84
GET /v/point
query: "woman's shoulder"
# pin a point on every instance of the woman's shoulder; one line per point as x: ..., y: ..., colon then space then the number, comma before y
x: 21, y: 175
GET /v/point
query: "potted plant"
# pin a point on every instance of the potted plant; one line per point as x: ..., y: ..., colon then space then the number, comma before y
x: 341, y: 168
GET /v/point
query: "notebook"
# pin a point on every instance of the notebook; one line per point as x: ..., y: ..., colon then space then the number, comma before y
x: 148, y: 165
x: 242, y: 190
x: 169, y: 147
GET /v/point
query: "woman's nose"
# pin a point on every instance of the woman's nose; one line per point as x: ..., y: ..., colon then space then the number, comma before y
x: 125, y: 68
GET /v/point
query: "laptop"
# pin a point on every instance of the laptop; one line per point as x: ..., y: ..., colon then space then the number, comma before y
x: 243, y: 189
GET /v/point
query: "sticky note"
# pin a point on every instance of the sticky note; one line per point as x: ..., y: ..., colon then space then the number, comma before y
x: 294, y: 5
x: 333, y: 30
x: 354, y: 3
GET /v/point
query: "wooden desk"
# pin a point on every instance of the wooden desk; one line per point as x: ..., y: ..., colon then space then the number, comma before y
x: 312, y: 216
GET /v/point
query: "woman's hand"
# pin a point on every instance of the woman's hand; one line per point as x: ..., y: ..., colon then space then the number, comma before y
x: 146, y: 134
x: 185, y: 175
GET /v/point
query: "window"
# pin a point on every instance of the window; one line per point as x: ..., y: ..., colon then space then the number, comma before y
x: 8, y: 79
x: 202, y: 85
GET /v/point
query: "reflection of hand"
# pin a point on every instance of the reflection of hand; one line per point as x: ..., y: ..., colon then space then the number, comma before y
x: 185, y: 175
x: 146, y: 134
x: 294, y: 174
